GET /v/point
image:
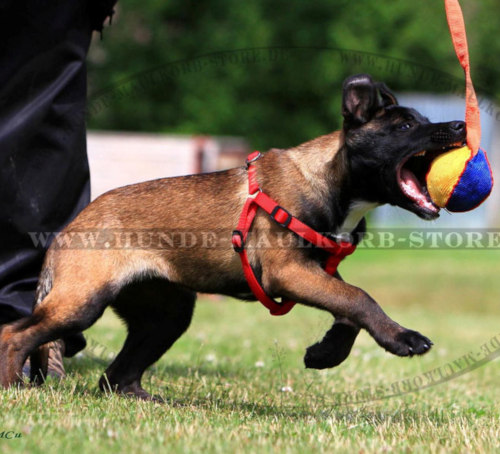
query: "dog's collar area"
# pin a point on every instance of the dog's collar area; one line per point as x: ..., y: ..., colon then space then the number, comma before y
x: 258, y: 199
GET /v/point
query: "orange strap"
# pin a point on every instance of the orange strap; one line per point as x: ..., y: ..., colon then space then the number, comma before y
x: 459, y: 38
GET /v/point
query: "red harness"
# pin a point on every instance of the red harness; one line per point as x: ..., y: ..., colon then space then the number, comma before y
x: 282, y: 217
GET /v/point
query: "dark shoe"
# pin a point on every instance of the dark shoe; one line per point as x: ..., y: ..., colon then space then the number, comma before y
x: 56, y: 353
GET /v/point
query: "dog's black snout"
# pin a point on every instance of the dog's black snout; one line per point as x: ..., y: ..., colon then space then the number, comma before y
x: 452, y: 131
x: 457, y: 126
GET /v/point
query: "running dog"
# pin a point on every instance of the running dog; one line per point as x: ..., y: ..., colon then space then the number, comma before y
x: 380, y: 156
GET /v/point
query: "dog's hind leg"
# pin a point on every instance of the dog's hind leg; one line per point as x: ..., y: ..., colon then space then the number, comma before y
x: 335, y: 346
x: 156, y: 313
x: 39, y: 364
x: 61, y: 313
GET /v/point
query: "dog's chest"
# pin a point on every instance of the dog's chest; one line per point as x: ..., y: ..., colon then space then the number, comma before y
x: 357, y: 211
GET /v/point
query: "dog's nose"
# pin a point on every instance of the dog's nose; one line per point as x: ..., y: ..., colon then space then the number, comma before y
x: 457, y: 126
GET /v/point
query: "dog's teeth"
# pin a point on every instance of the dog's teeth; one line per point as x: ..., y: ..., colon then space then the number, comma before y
x: 422, y: 153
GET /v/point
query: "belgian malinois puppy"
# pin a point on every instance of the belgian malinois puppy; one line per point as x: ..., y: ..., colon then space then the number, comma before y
x: 380, y: 156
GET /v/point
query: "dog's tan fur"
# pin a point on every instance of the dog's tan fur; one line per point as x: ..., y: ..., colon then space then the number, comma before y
x: 193, y: 203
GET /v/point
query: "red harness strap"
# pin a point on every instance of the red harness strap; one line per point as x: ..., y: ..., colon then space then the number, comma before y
x: 258, y: 199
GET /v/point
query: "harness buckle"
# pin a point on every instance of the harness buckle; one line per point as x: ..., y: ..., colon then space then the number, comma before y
x: 238, y: 241
x: 276, y: 211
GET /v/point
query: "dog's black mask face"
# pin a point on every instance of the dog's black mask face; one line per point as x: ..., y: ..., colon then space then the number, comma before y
x: 390, y: 147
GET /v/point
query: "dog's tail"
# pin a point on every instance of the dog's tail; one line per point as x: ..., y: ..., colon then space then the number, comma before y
x: 44, y: 283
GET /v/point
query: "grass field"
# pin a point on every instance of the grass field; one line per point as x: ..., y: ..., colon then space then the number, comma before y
x: 236, y: 382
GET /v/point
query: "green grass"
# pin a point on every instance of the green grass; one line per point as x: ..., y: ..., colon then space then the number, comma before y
x: 224, y: 380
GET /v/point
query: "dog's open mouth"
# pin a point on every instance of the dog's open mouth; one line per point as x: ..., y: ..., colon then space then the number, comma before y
x: 411, y: 175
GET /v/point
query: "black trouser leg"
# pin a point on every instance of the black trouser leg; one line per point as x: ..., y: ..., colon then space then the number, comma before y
x: 44, y: 174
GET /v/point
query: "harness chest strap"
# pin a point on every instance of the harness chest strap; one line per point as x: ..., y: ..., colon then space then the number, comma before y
x: 258, y: 199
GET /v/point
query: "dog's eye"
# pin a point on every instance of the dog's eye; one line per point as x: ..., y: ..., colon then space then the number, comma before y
x: 404, y: 126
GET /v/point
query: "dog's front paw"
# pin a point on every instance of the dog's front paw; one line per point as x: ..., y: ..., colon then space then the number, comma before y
x: 333, y: 349
x: 317, y: 357
x: 408, y: 343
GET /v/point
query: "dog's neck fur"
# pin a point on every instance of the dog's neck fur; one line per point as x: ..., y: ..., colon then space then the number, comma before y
x: 324, y: 174
x: 324, y: 152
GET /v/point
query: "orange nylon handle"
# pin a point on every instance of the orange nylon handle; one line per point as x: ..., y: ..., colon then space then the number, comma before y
x: 459, y: 38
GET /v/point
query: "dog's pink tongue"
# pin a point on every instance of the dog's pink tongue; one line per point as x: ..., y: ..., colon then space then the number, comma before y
x: 410, y: 181
x: 412, y: 188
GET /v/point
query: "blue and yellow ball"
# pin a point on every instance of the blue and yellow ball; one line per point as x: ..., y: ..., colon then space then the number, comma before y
x: 459, y: 180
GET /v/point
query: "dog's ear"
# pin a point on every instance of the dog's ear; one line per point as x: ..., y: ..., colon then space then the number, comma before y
x: 388, y: 98
x: 362, y: 99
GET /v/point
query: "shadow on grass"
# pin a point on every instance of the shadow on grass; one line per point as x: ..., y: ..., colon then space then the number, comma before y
x: 86, y: 365
x: 405, y: 415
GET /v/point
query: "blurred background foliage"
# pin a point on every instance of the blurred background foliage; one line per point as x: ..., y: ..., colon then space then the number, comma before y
x: 187, y: 67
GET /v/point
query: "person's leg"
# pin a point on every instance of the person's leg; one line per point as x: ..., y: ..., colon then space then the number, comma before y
x: 44, y: 173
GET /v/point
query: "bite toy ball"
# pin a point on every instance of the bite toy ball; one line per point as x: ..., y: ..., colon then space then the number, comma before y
x: 461, y: 179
